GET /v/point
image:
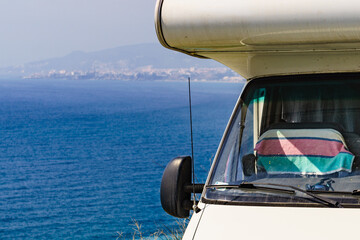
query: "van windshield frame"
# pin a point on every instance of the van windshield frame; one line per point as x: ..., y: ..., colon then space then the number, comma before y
x: 314, y: 103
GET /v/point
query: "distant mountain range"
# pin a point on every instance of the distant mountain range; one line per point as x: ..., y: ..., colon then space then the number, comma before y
x: 125, y: 57
x: 118, y: 63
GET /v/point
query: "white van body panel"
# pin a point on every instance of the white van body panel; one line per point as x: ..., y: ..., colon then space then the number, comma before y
x: 273, y: 223
x: 263, y: 38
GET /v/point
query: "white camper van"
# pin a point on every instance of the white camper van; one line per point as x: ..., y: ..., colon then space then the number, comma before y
x: 288, y: 165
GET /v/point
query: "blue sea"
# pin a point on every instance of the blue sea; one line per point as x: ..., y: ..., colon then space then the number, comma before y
x: 84, y: 159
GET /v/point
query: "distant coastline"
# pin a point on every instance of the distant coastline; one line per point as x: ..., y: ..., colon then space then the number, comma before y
x: 143, y: 62
x: 145, y: 74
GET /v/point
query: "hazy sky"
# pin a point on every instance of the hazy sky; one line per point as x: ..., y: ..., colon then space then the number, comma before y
x: 39, y: 29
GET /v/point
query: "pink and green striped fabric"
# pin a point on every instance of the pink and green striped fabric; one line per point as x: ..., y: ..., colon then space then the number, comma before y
x: 303, y: 151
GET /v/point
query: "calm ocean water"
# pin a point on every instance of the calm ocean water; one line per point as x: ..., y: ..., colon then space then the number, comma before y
x: 82, y: 159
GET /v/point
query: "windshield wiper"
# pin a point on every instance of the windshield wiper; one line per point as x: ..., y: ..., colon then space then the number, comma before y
x: 326, y: 201
x: 259, y: 186
x: 355, y: 192
x: 252, y: 186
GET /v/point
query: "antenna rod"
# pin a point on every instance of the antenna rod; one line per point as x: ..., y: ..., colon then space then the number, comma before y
x: 195, y: 208
x: 191, y: 131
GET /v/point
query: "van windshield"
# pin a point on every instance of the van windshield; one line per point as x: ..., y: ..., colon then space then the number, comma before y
x: 302, y: 131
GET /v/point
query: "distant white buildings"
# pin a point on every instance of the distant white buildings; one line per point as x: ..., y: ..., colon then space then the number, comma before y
x: 146, y: 73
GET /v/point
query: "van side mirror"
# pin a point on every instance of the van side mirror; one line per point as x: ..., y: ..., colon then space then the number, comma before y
x: 176, y: 187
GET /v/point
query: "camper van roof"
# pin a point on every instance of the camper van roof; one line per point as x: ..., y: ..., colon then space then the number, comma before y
x: 265, y: 38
